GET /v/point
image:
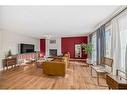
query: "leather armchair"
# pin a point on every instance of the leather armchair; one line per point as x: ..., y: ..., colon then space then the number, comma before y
x: 56, y: 67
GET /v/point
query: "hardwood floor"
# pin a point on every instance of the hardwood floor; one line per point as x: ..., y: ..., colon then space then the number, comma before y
x: 30, y: 77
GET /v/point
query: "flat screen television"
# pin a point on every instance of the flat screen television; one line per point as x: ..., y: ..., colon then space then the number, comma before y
x: 26, y: 48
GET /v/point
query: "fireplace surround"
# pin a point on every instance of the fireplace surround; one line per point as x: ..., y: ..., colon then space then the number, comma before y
x: 52, y: 52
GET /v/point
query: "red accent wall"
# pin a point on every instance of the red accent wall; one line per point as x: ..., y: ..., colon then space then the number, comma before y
x: 42, y: 45
x: 68, y: 45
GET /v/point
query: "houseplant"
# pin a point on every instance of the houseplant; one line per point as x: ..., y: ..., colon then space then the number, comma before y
x: 87, y: 48
x: 9, y: 54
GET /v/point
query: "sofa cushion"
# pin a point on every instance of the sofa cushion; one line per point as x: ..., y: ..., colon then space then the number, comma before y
x: 60, y: 59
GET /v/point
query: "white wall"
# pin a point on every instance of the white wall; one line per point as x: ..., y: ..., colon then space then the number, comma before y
x: 11, y: 40
x: 0, y: 49
x: 57, y: 46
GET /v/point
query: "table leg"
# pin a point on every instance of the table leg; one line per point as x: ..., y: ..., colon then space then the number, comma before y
x: 7, y: 66
x: 3, y: 67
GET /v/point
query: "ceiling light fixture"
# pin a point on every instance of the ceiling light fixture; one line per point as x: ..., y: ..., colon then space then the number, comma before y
x: 48, y: 37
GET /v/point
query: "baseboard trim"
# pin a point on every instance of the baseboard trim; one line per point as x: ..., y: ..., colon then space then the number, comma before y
x: 80, y: 60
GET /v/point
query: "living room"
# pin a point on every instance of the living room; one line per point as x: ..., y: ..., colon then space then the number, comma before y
x: 46, y: 43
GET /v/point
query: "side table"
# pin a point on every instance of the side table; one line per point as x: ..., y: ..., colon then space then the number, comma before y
x: 116, y: 82
x: 9, y: 62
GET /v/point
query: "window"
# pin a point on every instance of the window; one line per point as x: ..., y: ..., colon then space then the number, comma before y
x: 94, y: 48
x: 108, y: 41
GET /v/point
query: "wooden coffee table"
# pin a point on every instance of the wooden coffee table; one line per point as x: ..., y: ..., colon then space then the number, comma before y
x: 39, y: 63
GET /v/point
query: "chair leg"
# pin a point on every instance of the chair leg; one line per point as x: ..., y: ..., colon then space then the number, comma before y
x: 98, y: 78
x: 91, y: 71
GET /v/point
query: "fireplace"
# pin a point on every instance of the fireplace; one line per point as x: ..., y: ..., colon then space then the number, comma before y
x: 53, y: 52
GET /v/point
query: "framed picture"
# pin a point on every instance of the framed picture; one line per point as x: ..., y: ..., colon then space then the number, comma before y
x: 52, y: 41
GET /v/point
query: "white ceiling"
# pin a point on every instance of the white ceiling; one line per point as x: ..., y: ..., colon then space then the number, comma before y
x: 57, y: 21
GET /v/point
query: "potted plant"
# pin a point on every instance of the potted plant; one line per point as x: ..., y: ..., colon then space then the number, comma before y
x: 87, y: 48
x: 9, y: 54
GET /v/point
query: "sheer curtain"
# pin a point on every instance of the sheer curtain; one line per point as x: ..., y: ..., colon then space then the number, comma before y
x: 119, y: 42
x: 100, y: 43
x: 122, y: 22
x: 115, y: 52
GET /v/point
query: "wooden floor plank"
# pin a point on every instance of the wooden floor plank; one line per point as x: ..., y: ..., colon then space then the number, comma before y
x: 30, y: 77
